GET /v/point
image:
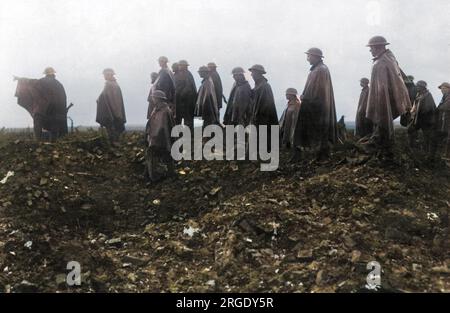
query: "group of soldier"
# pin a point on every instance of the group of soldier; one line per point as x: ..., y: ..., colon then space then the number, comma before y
x: 307, y: 123
x: 390, y: 94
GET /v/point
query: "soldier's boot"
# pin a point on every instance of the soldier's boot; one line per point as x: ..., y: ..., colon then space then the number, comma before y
x: 386, y: 149
x: 412, y: 140
x: 37, y: 128
x: 324, y: 151
x: 447, y: 148
x: 171, y: 171
x: 296, y: 155
x: 54, y: 136
x: 434, y: 145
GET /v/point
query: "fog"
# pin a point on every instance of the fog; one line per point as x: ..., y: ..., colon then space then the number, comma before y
x: 79, y: 38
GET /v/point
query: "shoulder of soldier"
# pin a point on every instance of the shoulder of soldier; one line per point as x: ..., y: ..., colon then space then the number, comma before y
x: 163, y: 72
x: 44, y: 80
x: 266, y: 88
x: 50, y: 82
x: 244, y: 85
x: 427, y: 94
x: 59, y: 84
x: 112, y: 84
x: 322, y: 68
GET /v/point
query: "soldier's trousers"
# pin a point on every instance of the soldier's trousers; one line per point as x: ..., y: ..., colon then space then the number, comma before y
x: 114, y: 131
x: 382, y: 137
x: 38, y: 125
x: 440, y: 141
x: 365, y: 128
x: 413, y: 133
x: 159, y: 164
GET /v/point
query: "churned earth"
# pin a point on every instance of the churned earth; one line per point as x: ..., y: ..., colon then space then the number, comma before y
x: 219, y: 226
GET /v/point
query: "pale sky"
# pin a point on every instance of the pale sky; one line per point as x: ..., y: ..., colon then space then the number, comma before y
x: 79, y: 38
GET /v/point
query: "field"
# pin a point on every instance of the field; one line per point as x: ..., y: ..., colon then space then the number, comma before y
x: 218, y: 226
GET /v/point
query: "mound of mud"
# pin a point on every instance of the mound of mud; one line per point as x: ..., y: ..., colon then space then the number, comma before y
x: 218, y: 226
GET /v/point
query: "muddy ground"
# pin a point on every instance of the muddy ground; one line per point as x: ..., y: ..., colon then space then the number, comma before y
x: 219, y: 226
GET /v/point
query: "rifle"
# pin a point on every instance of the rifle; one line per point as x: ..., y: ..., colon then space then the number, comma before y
x: 224, y: 99
x: 69, y: 107
x: 69, y: 118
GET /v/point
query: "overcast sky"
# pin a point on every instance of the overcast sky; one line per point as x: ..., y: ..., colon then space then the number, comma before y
x: 79, y: 38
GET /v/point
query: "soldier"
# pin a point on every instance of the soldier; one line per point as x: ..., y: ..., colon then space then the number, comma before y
x: 153, y: 77
x: 412, y: 90
x: 238, y: 108
x: 110, y: 107
x: 289, y: 117
x: 264, y: 111
x: 186, y: 92
x: 166, y: 83
x: 441, y: 135
x: 217, y: 84
x: 175, y: 68
x: 45, y: 99
x: 316, y: 124
x: 422, y: 116
x: 363, y: 125
x: 341, y: 130
x: 388, y: 95
x: 159, y: 162
x: 206, y: 105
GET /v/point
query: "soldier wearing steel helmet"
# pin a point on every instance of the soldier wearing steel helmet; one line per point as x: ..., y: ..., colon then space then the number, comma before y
x: 388, y: 96
x: 239, y: 102
x: 153, y: 78
x: 289, y: 118
x: 175, y: 68
x: 411, y: 86
x: 364, y: 126
x: 264, y: 111
x: 316, y: 123
x: 206, y: 105
x: 110, y: 107
x: 441, y: 135
x: 159, y: 162
x: 217, y: 84
x: 186, y: 93
x: 422, y: 116
x: 46, y: 101
x: 166, y: 83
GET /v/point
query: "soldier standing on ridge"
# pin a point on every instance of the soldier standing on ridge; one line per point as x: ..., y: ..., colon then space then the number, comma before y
x: 110, y: 107
x: 217, y: 84
x: 238, y: 108
x: 316, y: 124
x: 264, y: 111
x: 388, y: 95
x: 289, y: 117
x: 363, y: 125
x: 159, y: 161
x: 166, y: 83
x: 45, y: 99
x: 422, y: 116
x: 206, y: 105
x: 186, y: 92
